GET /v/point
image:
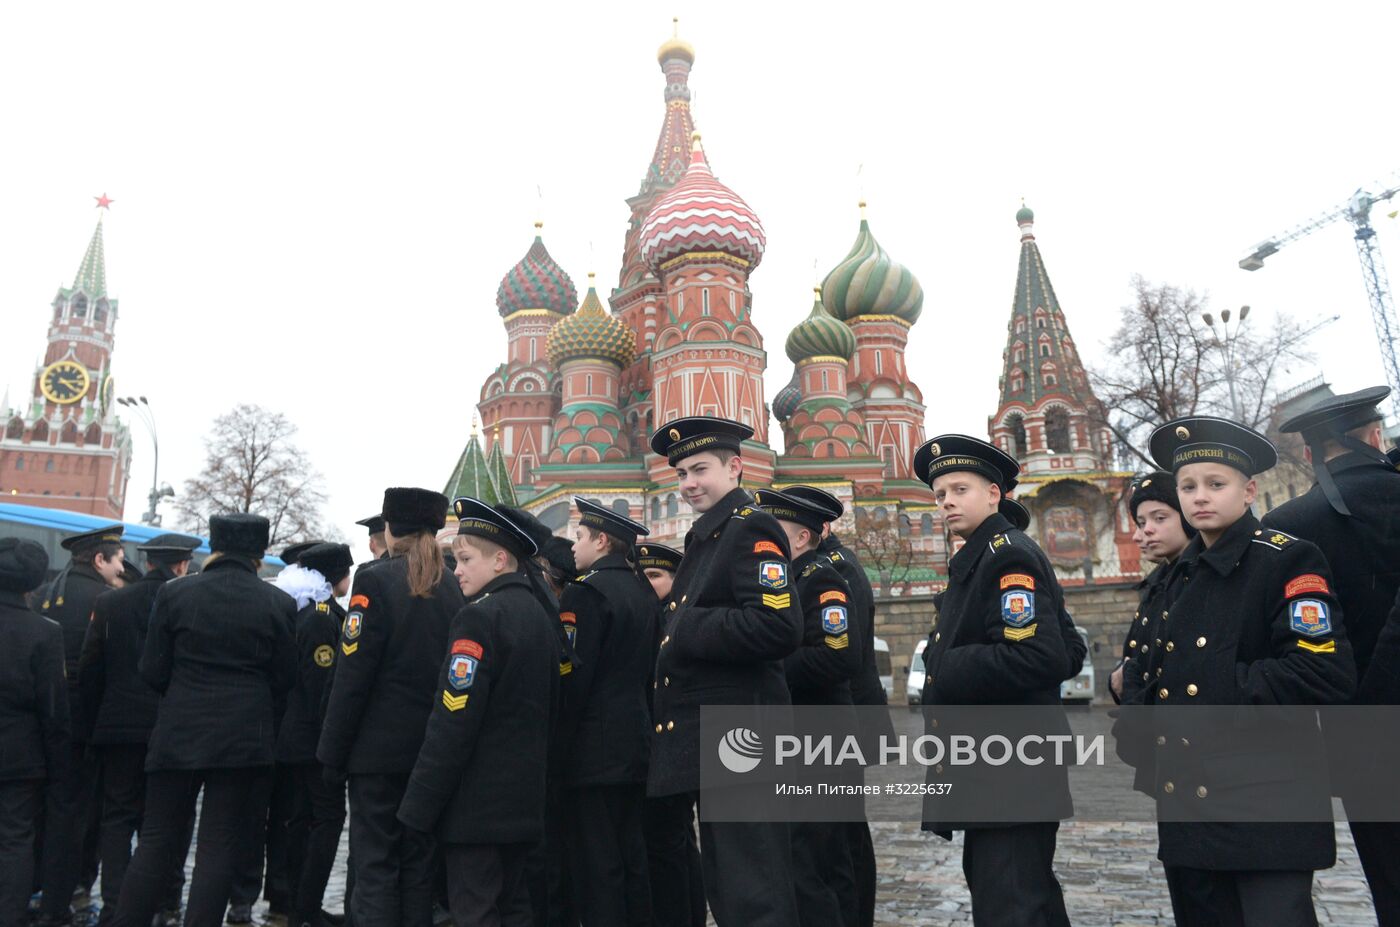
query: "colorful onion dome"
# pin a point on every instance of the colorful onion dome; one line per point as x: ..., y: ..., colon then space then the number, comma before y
x: 701, y: 214
x: 788, y: 399
x: 1024, y: 214
x: 590, y: 332
x: 536, y: 282
x: 820, y: 335
x: 869, y: 282
x: 675, y: 46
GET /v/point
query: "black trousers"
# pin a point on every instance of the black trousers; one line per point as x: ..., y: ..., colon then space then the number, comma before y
x: 1010, y: 872
x: 822, y: 874
x: 264, y: 847
x: 1232, y: 898
x: 20, y: 801
x: 393, y: 863
x: 547, y: 868
x: 486, y: 884
x: 608, y: 855
x: 123, y: 802
x: 170, y: 807
x: 673, y: 862
x: 66, y: 854
x: 748, y: 873
x: 863, y: 864
x: 1378, y: 845
x: 313, y: 835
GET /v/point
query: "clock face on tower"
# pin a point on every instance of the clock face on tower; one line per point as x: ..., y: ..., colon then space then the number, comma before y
x: 64, y: 382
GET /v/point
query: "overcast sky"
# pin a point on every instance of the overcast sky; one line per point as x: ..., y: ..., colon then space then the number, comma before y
x: 314, y: 203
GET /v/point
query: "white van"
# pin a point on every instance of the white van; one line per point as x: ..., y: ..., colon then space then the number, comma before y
x: 1079, y: 690
x: 914, y: 688
x: 882, y: 666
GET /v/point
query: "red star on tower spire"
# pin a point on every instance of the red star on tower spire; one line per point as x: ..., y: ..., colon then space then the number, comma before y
x: 104, y: 202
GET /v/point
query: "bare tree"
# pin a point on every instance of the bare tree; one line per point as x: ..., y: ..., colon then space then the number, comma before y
x: 1166, y: 362
x: 882, y: 547
x: 251, y: 465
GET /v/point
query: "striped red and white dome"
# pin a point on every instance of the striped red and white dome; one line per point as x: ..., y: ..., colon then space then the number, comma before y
x: 701, y: 214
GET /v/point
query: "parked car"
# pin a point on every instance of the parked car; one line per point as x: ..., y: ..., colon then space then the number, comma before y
x: 914, y: 688
x: 1079, y: 690
x: 882, y: 666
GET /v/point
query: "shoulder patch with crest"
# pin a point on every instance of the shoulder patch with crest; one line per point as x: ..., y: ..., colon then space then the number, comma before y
x: 773, y: 574
x: 1310, y: 617
x: 1017, y: 608
x: 323, y: 656
x: 834, y: 620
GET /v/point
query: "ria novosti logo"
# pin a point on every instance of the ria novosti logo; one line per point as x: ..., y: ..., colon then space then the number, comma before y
x: 740, y: 750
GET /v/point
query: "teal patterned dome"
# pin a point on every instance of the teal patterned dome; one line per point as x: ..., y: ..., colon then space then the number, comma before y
x: 820, y: 335
x: 788, y: 399
x: 590, y: 332
x: 869, y: 282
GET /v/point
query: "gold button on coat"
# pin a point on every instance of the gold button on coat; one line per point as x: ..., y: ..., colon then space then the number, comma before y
x: 1170, y: 646
x: 670, y: 725
x: 1200, y: 642
x: 1201, y: 791
x: 658, y: 729
x: 1169, y: 788
x: 1191, y: 689
x: 1162, y: 693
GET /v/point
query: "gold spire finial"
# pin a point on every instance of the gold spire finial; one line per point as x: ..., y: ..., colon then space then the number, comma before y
x: 675, y: 27
x: 538, y: 225
x: 591, y: 275
x: 695, y: 141
x: 862, y: 210
x: 476, y: 424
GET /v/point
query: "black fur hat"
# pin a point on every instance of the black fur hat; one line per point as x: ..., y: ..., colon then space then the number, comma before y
x: 333, y: 561
x: 23, y: 565
x: 240, y: 533
x: 408, y: 510
x: 1157, y: 486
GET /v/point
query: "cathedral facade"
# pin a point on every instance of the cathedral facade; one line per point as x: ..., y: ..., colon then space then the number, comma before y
x: 586, y: 381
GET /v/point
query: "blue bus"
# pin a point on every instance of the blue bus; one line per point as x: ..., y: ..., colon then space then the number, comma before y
x: 50, y: 526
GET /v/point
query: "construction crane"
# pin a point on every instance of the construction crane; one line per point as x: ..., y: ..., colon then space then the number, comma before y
x: 1357, y: 211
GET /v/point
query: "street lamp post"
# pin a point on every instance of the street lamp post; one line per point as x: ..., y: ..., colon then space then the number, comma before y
x: 142, y: 407
x: 1227, y: 349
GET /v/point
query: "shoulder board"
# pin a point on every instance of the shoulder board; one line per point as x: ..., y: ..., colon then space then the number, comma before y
x: 479, y: 599
x: 744, y: 512
x: 835, y: 555
x: 322, y: 607
x: 583, y: 577
x: 809, y: 569
x: 1278, y: 540
x: 999, y: 541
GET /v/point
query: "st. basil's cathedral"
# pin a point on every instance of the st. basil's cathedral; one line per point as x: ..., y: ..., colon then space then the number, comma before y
x: 584, y: 384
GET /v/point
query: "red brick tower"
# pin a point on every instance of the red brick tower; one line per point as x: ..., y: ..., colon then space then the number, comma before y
x: 66, y: 449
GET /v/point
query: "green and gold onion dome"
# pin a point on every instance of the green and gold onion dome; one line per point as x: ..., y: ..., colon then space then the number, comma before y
x: 820, y: 335
x: 869, y: 282
x: 536, y: 282
x: 590, y: 332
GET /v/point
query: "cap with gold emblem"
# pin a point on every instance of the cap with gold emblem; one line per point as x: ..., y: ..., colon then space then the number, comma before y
x: 820, y: 498
x: 786, y: 507
x: 656, y: 557
x: 952, y: 453
x: 678, y: 439
x: 107, y: 534
x: 1207, y: 439
x: 477, y: 519
x: 609, y: 522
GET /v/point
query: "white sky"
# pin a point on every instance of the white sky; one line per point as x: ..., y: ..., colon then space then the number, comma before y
x: 314, y: 203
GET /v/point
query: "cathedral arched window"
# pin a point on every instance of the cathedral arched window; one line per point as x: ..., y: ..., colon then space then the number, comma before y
x: 1049, y: 379
x: 48, y: 465
x: 906, y: 527
x: 926, y: 524
x: 1017, y: 381
x: 79, y: 306
x: 1017, y: 425
x: 1018, y: 354
x: 705, y: 301
x: 69, y: 434
x: 93, y: 435
x: 99, y: 313
x: 1044, y: 349
x: 19, y: 461
x: 41, y: 431
x: 673, y: 506
x: 1020, y: 326
x: 733, y: 308
x: 57, y: 309
x: 15, y: 429
x: 655, y: 509
x: 826, y: 385
x: 622, y: 507
x: 1057, y: 431
x: 588, y: 384
x: 879, y: 362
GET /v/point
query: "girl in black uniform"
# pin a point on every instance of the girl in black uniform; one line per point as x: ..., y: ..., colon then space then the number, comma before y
x: 393, y: 641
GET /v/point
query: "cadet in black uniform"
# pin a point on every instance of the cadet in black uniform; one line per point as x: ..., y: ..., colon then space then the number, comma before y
x: 732, y: 620
x: 673, y: 855
x: 866, y: 688
x: 479, y: 782
x: 819, y: 673
x: 394, y: 638
x: 989, y: 646
x: 378, y: 548
x: 220, y: 652
x: 33, y: 719
x: 1254, y: 621
x: 123, y: 708
x: 1352, y: 514
x: 317, y: 812
x: 69, y: 854
x: 609, y: 613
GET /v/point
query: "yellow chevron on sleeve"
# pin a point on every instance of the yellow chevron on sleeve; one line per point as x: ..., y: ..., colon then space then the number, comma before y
x: 838, y: 643
x: 1019, y: 634
x: 348, y: 649
x: 784, y: 600
x: 1324, y: 647
x: 453, y: 702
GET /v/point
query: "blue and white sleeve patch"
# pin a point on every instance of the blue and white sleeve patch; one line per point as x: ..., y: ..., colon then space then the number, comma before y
x: 1310, y: 617
x: 834, y: 620
x: 1018, y: 607
x: 773, y: 574
x: 461, y: 672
